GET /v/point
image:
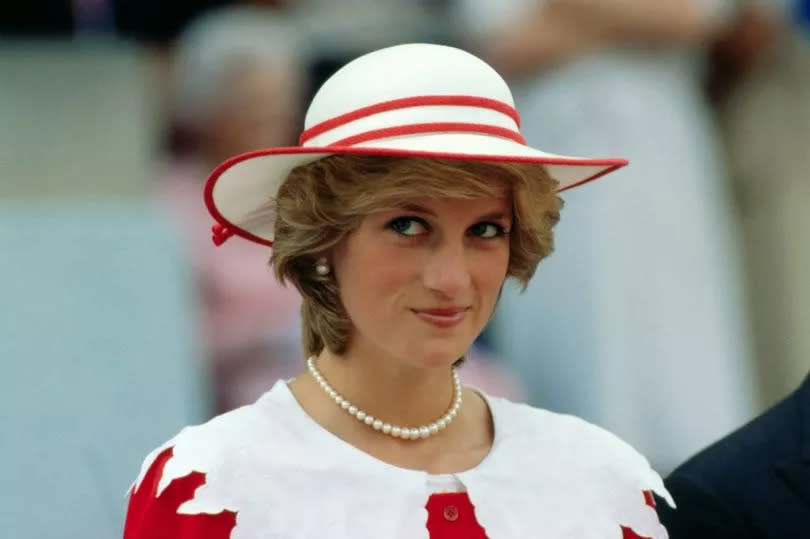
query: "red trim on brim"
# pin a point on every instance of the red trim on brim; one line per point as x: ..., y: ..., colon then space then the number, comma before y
x: 594, y: 177
x: 416, y: 101
x: 208, y: 192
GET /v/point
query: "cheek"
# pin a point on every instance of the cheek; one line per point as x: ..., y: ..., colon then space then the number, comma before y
x: 489, y: 271
x: 374, y: 282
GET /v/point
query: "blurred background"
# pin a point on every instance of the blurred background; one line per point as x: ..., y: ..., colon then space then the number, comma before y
x: 676, y: 307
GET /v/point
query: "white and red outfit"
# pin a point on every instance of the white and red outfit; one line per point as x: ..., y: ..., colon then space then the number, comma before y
x: 268, y: 470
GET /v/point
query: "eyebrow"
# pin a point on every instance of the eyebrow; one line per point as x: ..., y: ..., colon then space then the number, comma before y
x: 427, y: 211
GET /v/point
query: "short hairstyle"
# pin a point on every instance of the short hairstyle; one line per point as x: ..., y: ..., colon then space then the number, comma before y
x: 320, y: 203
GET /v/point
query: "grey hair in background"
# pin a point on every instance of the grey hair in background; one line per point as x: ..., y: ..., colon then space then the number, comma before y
x: 218, y: 42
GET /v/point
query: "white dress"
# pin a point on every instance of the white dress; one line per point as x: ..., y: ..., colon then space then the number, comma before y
x: 637, y: 321
x: 284, y: 476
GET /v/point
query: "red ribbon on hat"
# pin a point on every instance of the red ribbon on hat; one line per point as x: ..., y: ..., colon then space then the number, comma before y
x: 414, y: 101
x: 220, y: 234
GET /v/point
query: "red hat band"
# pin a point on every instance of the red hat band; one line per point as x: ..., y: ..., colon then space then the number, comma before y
x: 416, y: 115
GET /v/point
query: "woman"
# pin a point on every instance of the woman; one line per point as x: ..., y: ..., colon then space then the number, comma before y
x: 410, y: 200
x: 238, y: 85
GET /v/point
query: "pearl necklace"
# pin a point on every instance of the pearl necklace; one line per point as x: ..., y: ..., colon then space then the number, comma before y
x: 386, y: 428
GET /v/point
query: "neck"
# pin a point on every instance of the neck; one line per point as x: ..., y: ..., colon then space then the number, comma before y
x: 393, y: 391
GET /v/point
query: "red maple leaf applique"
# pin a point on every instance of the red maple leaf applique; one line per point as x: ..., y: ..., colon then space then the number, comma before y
x: 155, y: 517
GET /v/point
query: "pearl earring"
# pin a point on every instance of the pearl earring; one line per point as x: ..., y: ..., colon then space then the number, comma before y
x: 322, y: 267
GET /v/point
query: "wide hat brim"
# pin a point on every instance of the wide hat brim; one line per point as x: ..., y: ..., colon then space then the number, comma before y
x: 246, y: 182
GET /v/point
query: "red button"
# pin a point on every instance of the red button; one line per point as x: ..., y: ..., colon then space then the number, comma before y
x: 451, y: 513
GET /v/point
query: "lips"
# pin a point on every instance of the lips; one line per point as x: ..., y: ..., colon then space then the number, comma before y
x: 450, y: 311
x: 442, y: 317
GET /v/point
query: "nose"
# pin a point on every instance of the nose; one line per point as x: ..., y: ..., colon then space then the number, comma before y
x: 447, y: 270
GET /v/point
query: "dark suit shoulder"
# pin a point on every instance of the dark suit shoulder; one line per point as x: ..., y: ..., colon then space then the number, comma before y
x: 733, y: 487
x: 771, y: 437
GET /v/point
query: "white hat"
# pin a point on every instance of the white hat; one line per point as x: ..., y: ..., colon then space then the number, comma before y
x: 419, y: 100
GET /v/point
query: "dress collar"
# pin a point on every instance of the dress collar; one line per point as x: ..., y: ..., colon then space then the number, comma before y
x: 346, y: 454
x: 273, y: 465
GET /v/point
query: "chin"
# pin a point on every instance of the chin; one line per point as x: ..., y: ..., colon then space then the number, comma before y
x: 437, y: 354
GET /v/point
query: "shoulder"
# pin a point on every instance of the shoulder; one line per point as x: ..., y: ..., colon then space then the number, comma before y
x: 221, y: 447
x: 575, y: 443
x: 201, y: 447
x: 560, y: 461
x: 162, y: 500
x: 158, y: 516
x: 193, y: 485
x: 564, y: 429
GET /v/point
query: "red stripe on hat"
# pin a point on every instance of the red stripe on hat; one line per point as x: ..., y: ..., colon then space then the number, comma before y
x: 417, y: 101
x: 432, y: 127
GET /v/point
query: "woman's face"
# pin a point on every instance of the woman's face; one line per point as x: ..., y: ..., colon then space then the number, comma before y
x: 419, y: 283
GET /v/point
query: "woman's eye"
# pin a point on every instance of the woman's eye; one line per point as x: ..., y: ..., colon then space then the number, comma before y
x: 408, y: 226
x: 487, y: 230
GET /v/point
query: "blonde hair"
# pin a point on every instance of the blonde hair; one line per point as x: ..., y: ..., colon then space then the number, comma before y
x: 320, y: 203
